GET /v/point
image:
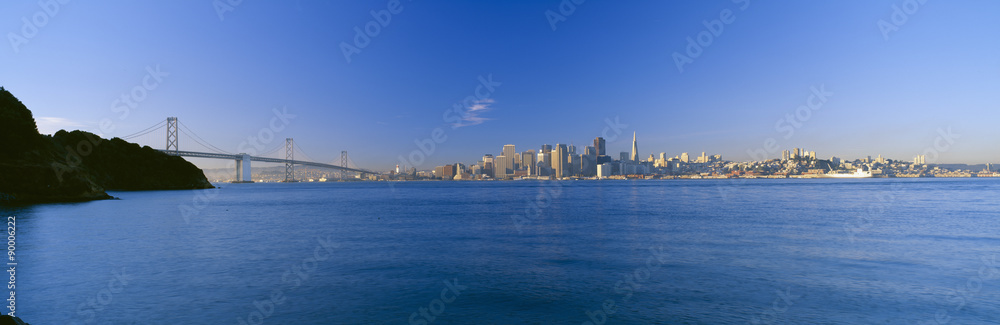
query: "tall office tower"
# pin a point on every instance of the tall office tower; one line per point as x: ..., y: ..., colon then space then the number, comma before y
x: 785, y: 155
x: 575, y: 165
x: 599, y: 145
x: 796, y: 154
x: 559, y: 161
x: 685, y: 158
x: 589, y: 165
x: 488, y: 165
x: 517, y: 161
x: 812, y: 155
x: 651, y: 158
x: 635, y: 149
x: 508, y: 152
x: 589, y: 151
x: 703, y: 159
x: 571, y: 149
x: 502, y: 168
x: 623, y: 156
x: 546, y: 149
x: 528, y: 162
x: 545, y: 161
x: 663, y: 156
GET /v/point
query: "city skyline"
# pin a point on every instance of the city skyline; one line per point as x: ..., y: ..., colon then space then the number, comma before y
x: 723, y: 77
x: 636, y: 156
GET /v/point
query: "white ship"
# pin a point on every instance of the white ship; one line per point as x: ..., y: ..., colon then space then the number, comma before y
x: 860, y: 173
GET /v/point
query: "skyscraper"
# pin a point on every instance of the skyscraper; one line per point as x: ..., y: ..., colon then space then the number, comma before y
x: 502, y: 169
x: 599, y: 145
x: 571, y: 149
x: 488, y: 165
x: 528, y: 162
x: 559, y: 161
x: 545, y: 160
x: 685, y: 158
x: 635, y: 149
x: 508, y: 153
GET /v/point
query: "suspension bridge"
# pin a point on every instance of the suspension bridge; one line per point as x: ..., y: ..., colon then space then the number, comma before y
x: 243, y: 171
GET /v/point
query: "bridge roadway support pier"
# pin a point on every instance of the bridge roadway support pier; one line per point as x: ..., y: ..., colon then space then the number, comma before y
x: 243, y: 170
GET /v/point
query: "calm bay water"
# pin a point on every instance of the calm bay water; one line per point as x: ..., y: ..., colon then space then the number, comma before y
x: 886, y: 251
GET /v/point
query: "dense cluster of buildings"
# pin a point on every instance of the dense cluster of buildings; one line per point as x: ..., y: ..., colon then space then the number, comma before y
x: 561, y: 161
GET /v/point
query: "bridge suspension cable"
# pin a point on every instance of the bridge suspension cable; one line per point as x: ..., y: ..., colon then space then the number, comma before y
x: 148, y: 130
x: 202, y: 142
x: 298, y: 148
x: 272, y: 151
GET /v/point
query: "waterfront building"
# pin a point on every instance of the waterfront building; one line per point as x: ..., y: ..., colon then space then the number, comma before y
x: 508, y: 153
x: 528, y: 162
x: 559, y: 161
x: 488, y: 165
x: 604, y: 170
x: 502, y: 169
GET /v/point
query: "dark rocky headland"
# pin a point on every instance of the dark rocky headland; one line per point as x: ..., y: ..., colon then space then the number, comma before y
x: 78, y: 165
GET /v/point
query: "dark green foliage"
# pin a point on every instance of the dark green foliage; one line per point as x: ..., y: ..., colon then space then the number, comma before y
x: 120, y: 165
x: 18, y: 132
x: 78, y: 165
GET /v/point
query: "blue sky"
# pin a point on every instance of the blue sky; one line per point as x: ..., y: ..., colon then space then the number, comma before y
x: 607, y: 60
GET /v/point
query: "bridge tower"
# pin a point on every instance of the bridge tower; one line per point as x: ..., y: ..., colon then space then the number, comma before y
x: 343, y: 163
x: 289, y: 156
x: 172, y: 133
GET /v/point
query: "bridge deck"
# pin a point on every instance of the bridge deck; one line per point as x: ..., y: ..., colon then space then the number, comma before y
x: 261, y: 159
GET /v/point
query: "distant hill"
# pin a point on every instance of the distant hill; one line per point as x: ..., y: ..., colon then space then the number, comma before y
x: 78, y: 165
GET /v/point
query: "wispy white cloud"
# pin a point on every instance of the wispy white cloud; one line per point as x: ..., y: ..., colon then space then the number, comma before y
x: 471, y: 115
x: 49, y: 125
